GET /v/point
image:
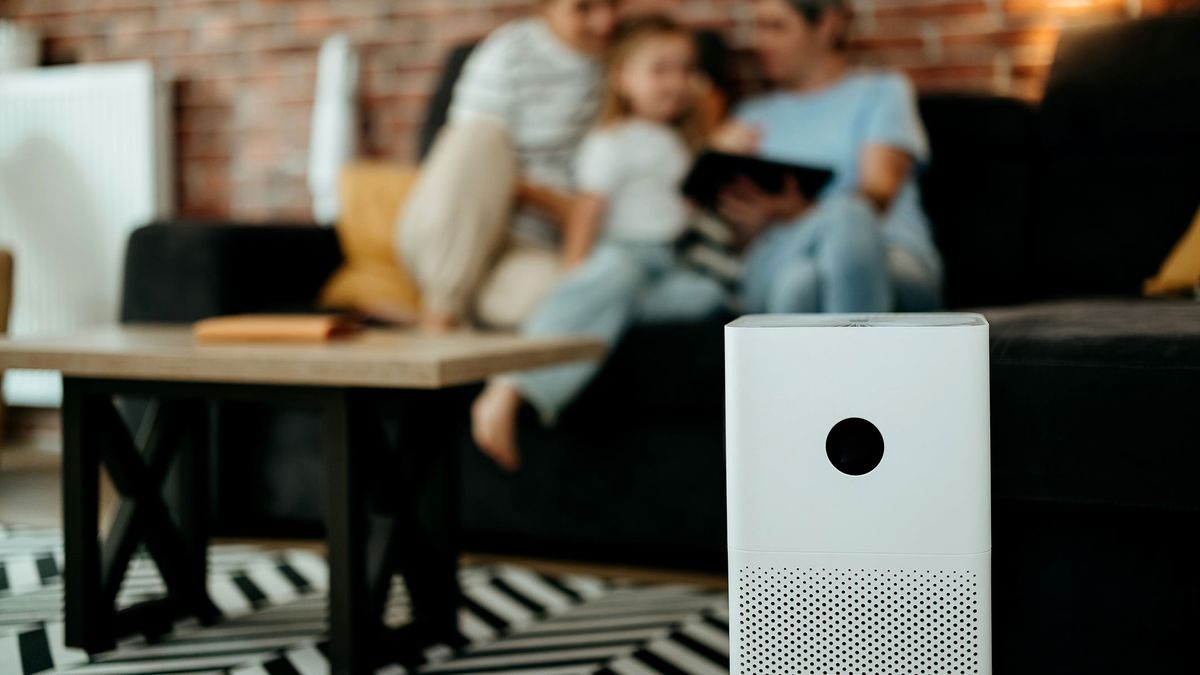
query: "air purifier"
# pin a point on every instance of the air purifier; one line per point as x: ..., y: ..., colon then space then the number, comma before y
x: 857, y: 452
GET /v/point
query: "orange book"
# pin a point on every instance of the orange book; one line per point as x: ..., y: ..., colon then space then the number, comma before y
x: 275, y: 327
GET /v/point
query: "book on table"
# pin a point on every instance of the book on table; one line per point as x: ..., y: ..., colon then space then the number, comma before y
x: 276, y: 327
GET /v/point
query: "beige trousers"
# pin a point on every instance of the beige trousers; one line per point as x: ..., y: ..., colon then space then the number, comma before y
x: 455, y: 235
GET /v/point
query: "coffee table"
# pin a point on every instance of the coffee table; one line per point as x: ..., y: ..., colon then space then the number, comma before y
x: 391, y: 503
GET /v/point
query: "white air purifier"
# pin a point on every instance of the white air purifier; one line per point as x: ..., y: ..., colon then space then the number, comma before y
x: 859, y: 494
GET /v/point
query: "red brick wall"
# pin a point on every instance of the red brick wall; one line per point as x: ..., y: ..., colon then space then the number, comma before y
x: 245, y: 68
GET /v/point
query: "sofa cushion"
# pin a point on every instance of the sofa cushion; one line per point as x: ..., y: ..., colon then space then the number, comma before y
x: 1120, y: 155
x: 658, y: 372
x: 976, y: 191
x: 185, y: 270
x: 1095, y: 401
x: 644, y: 491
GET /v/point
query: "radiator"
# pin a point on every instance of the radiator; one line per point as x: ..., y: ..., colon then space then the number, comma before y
x: 84, y: 159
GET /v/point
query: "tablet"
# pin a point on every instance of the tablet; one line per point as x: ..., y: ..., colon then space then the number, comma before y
x: 713, y: 171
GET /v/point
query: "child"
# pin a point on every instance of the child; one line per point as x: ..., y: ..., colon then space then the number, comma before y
x: 618, y: 241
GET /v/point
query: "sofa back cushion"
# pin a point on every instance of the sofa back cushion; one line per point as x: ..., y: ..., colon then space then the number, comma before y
x: 976, y: 191
x: 439, y: 104
x: 1119, y: 133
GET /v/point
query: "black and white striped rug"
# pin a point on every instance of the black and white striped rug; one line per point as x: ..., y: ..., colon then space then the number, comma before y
x: 517, y: 620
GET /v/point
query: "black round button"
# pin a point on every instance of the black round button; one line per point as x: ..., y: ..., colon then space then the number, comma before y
x: 854, y: 446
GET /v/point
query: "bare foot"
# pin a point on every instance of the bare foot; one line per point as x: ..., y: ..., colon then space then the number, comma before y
x: 434, y: 322
x: 494, y: 423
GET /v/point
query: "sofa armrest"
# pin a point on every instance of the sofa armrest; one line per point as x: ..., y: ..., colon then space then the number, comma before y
x: 179, y: 272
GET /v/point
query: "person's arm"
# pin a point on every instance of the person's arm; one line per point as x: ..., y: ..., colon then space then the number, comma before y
x: 750, y: 209
x: 893, y: 143
x: 884, y: 169
x: 599, y: 171
x: 581, y: 227
x: 553, y: 202
x: 742, y: 204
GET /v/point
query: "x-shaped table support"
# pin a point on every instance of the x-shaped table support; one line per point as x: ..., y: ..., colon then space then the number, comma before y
x: 391, y: 506
x: 172, y: 431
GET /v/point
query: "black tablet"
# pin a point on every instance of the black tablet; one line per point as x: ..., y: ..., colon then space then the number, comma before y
x: 715, y: 170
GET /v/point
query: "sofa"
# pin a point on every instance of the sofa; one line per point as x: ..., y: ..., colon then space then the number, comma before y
x: 1048, y: 215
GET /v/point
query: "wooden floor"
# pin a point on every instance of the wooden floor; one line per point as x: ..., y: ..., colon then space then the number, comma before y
x: 29, y: 495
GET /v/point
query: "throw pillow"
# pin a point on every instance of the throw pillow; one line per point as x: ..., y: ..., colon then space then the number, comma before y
x: 371, y: 280
x: 1180, y: 272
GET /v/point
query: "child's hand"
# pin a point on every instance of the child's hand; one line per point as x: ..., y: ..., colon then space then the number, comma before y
x: 736, y: 138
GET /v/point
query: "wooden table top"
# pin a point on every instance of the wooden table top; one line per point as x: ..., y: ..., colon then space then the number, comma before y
x: 373, y: 358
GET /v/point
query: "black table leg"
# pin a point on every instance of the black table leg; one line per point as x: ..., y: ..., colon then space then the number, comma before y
x: 190, y: 489
x: 432, y: 426
x: 415, y: 517
x: 405, y: 519
x: 87, y: 624
x: 353, y: 630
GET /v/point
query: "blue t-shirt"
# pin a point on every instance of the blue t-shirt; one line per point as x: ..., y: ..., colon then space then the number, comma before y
x: 829, y: 128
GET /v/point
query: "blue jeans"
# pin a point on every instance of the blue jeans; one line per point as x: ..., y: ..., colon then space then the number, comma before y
x: 835, y: 259
x: 619, y: 283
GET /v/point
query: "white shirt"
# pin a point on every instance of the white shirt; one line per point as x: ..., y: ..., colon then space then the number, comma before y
x: 637, y: 166
x: 546, y: 95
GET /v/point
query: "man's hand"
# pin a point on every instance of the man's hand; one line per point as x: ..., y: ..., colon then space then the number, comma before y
x: 751, y: 209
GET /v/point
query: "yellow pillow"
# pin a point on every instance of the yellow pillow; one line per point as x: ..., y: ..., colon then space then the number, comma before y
x: 1180, y: 272
x: 371, y: 279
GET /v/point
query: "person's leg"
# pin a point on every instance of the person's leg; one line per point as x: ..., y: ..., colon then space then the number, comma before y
x: 597, y: 300
x: 521, y: 279
x: 917, y: 287
x: 678, y: 293
x: 761, y: 263
x: 457, y: 215
x: 795, y: 288
x: 850, y: 256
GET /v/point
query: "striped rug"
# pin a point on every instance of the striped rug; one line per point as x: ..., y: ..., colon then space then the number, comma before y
x: 516, y: 620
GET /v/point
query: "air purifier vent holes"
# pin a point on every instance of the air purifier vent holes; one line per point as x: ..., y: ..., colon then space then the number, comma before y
x: 839, y: 621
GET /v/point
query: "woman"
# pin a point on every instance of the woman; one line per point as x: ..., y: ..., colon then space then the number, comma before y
x: 479, y: 231
x: 864, y: 245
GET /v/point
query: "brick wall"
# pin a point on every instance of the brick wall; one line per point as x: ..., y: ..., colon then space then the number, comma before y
x: 244, y: 69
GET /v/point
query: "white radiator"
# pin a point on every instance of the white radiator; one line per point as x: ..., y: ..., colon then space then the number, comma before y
x: 84, y: 160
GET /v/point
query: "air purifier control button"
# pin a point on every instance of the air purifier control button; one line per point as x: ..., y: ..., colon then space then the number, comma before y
x: 854, y: 446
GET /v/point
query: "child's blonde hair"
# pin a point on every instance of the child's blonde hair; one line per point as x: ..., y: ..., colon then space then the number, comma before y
x: 630, y: 35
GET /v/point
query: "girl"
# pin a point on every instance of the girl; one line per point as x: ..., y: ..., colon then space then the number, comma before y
x: 620, y: 233
x: 864, y: 245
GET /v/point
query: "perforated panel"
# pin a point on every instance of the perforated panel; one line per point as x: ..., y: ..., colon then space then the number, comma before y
x: 837, y: 621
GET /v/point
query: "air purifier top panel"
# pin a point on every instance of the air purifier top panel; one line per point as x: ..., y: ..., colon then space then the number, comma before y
x: 846, y: 440
x: 858, y: 320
